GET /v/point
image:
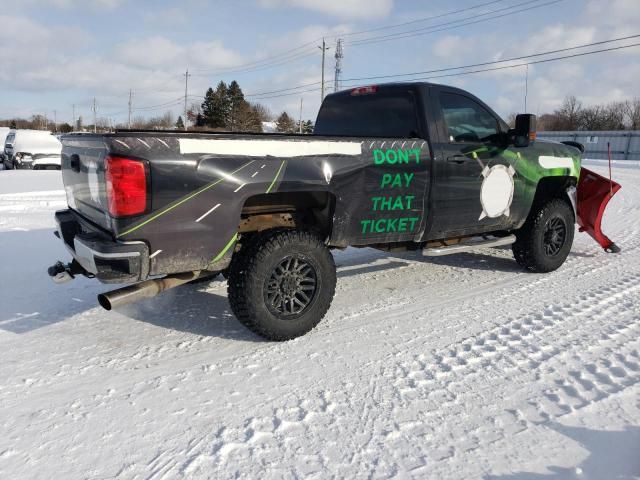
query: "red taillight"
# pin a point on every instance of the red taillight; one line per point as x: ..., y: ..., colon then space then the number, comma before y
x: 126, y: 186
x: 364, y: 90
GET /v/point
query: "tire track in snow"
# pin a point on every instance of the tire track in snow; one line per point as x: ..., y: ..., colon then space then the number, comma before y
x: 502, y: 343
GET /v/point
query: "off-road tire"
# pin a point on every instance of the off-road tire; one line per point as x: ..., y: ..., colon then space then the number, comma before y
x: 251, y: 274
x: 529, y: 248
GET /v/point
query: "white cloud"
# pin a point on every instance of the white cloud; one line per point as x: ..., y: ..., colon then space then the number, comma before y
x: 451, y: 47
x: 45, y: 60
x: 160, y: 52
x: 68, y: 4
x: 614, y: 12
x: 304, y: 36
x: 346, y: 9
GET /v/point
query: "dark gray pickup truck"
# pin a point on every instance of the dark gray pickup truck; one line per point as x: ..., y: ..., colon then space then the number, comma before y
x: 397, y: 167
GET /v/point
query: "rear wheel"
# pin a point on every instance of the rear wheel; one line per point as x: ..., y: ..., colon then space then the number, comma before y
x: 544, y: 241
x: 282, y: 283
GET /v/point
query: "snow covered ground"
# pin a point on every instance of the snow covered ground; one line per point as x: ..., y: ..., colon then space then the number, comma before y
x: 461, y: 367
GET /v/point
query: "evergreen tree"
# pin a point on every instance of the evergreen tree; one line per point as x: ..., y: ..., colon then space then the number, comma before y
x: 215, y: 108
x: 13, y: 125
x: 237, y: 104
x: 209, y: 106
x: 220, y: 107
x: 307, y: 127
x: 180, y: 123
x: 285, y: 124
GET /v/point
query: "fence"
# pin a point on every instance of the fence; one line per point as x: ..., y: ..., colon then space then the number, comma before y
x: 625, y: 145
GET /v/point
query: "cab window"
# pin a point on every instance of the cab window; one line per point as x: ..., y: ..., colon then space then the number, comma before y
x: 466, y: 120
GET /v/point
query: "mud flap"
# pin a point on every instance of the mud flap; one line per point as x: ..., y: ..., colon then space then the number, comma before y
x: 594, y: 193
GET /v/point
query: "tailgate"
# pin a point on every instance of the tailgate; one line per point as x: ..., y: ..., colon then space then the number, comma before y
x: 83, y: 177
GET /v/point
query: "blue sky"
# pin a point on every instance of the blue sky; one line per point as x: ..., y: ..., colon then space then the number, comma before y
x: 60, y: 53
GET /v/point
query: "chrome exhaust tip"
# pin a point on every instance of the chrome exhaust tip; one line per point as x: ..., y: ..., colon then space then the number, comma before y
x: 146, y: 289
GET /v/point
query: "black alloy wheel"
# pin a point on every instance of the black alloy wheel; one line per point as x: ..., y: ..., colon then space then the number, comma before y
x: 291, y: 287
x: 555, y: 235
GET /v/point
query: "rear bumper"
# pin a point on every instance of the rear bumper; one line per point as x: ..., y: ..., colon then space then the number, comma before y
x: 99, y: 254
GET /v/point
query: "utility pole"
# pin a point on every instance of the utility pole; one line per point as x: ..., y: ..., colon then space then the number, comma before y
x: 55, y: 121
x: 186, y: 93
x: 130, y: 95
x: 338, y: 73
x: 95, y: 115
x: 300, y: 120
x: 526, y: 87
x: 74, y: 124
x: 324, y: 48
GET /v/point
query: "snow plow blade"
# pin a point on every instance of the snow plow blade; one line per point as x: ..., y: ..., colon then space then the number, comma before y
x: 594, y: 193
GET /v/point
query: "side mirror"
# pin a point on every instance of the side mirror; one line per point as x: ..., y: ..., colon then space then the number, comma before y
x: 525, y: 131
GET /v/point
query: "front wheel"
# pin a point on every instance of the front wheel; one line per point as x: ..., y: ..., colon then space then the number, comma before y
x: 282, y: 283
x: 544, y: 241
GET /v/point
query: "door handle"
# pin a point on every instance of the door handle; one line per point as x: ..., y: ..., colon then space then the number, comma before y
x: 457, y: 159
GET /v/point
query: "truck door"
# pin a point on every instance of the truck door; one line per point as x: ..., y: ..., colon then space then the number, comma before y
x: 381, y: 199
x: 465, y: 140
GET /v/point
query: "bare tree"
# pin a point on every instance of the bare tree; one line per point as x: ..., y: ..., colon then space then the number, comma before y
x: 569, y: 114
x: 592, y: 118
x: 632, y: 113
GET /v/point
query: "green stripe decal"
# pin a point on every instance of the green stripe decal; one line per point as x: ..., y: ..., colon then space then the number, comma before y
x: 226, y: 248
x: 275, y: 178
x: 181, y: 201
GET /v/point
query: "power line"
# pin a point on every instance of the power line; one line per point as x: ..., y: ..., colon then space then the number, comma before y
x: 306, y: 50
x: 504, y: 67
x: 511, y: 59
x: 424, y: 19
x: 266, y: 66
x: 474, y: 65
x: 452, y: 24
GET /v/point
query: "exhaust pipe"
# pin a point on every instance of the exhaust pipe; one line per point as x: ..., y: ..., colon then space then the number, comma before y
x: 146, y: 289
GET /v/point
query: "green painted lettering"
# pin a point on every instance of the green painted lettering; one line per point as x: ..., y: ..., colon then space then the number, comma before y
x: 409, y: 199
x: 402, y: 225
x: 403, y: 156
x: 413, y: 221
x: 397, y: 181
x: 378, y: 157
x: 379, y: 228
x: 408, y: 177
x: 366, y: 224
x: 392, y: 225
x: 385, y: 203
x: 398, y: 203
x: 387, y: 178
x: 416, y: 153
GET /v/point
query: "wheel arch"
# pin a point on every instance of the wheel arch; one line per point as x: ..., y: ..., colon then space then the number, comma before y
x: 312, y: 210
x: 552, y: 187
